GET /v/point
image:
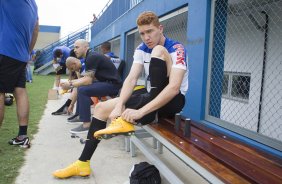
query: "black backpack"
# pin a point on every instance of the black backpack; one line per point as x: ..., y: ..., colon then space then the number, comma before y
x: 144, y: 173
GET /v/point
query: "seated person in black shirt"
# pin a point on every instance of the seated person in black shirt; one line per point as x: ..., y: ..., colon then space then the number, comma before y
x: 100, y: 79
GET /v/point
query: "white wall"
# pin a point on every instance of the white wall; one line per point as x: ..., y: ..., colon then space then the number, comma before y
x: 46, y: 38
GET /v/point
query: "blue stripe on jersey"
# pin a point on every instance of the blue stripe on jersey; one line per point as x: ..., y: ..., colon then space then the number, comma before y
x: 169, y: 43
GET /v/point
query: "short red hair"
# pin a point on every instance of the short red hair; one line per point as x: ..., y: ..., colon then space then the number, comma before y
x: 147, y: 18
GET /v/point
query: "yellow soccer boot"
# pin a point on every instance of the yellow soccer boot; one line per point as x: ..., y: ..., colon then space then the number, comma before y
x: 116, y: 127
x: 77, y: 168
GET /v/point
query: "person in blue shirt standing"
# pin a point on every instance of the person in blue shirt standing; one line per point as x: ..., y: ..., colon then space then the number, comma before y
x: 60, y: 55
x: 18, y: 33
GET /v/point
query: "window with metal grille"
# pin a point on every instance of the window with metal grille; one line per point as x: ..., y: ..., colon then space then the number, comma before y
x: 236, y: 86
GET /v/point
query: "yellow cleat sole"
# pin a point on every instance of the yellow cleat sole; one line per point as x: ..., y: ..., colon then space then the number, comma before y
x: 109, y: 136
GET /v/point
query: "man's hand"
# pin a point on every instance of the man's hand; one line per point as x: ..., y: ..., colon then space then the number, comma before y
x: 65, y: 85
x: 131, y: 115
x: 70, y: 108
x: 116, y: 112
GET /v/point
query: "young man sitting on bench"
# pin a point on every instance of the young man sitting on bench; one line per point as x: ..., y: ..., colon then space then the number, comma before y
x: 165, y: 61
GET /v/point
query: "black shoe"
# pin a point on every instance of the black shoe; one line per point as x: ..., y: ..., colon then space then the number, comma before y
x: 21, y: 142
x: 74, y: 119
x: 61, y: 111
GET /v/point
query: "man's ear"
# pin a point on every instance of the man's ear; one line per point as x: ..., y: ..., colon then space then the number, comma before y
x: 161, y: 27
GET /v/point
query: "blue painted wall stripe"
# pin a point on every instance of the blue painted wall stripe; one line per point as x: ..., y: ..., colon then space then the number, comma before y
x: 198, y: 48
x: 218, y: 57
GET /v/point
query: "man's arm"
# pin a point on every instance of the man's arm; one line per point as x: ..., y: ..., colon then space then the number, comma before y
x: 83, y: 81
x: 167, y: 94
x: 86, y: 80
x: 127, y: 89
x: 34, y: 36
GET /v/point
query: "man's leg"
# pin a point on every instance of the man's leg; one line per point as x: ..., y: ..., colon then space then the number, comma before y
x: 75, y: 118
x: 73, y: 99
x: 70, y: 102
x: 138, y: 99
x: 82, y: 166
x: 159, y: 70
x: 2, y: 107
x: 84, y: 93
x: 23, y: 114
x: 101, y: 113
x: 57, y: 80
x: 63, y: 109
x: 22, y: 108
x: 83, y: 109
x: 13, y: 72
x: 160, y: 79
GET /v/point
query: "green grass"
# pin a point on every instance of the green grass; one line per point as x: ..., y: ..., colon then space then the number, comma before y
x: 12, y: 157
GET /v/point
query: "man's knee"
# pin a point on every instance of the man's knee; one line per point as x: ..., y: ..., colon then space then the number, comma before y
x: 20, y: 92
x: 160, y: 52
x: 81, y: 90
x: 99, y: 108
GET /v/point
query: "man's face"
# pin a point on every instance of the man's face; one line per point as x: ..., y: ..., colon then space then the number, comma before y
x: 151, y: 34
x: 80, y: 50
x: 74, y: 66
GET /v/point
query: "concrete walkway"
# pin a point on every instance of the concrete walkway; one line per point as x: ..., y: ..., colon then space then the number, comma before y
x: 52, y: 148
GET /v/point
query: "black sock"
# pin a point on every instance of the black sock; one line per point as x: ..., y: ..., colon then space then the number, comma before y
x: 22, y: 130
x: 68, y: 102
x: 158, y: 76
x: 61, y: 109
x: 92, y: 142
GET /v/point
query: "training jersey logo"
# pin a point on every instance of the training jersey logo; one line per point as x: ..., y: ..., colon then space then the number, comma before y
x: 180, y: 54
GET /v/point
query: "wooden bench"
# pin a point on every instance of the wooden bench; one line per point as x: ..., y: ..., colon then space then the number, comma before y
x: 215, y: 156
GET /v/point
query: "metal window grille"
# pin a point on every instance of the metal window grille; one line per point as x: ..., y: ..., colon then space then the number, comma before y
x: 246, y: 39
x: 236, y: 86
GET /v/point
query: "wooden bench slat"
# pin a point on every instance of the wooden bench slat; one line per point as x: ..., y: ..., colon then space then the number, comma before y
x: 235, y: 143
x: 222, y: 172
x: 236, y: 163
x: 233, y: 155
x: 246, y: 154
x: 241, y: 145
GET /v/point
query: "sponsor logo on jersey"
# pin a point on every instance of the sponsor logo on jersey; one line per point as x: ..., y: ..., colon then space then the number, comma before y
x: 180, y: 54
